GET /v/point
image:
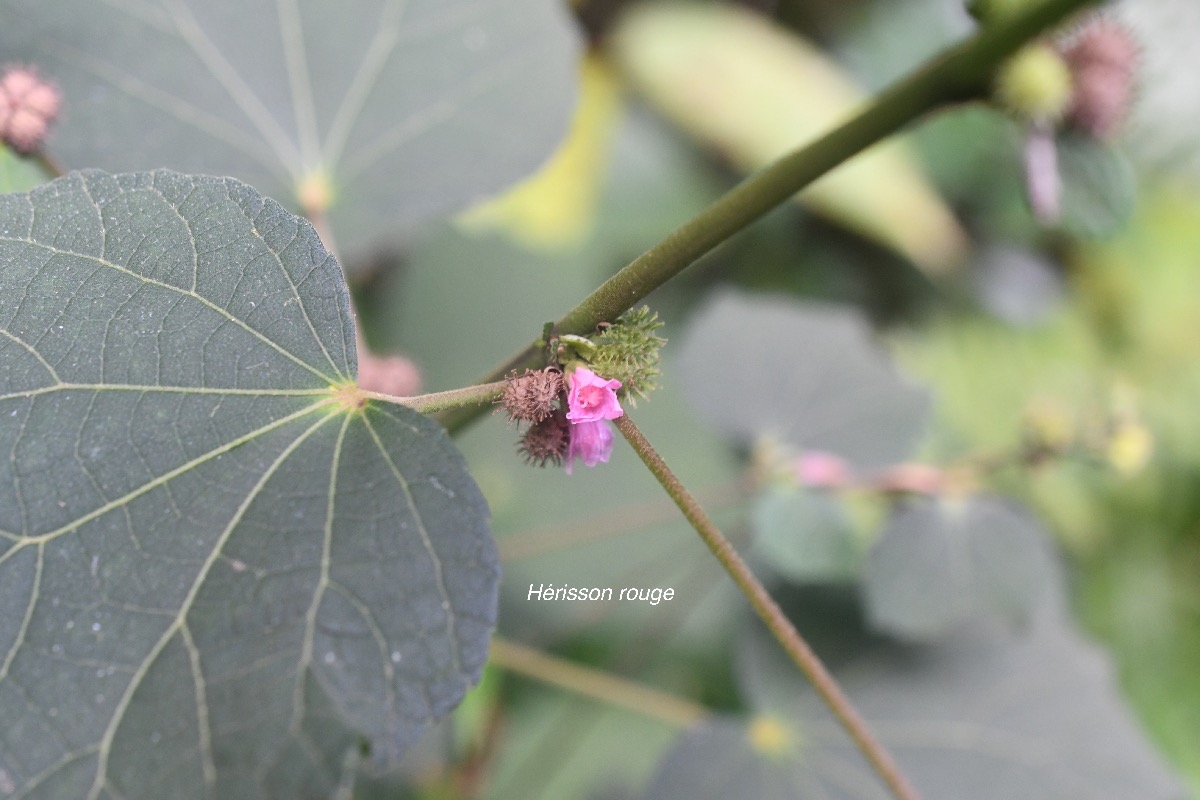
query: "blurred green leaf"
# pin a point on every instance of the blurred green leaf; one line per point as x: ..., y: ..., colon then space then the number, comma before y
x: 1098, y: 187
x: 804, y: 535
x: 560, y: 745
x: 806, y: 373
x: 754, y: 92
x: 941, y: 562
x: 390, y: 112
x: 223, y: 577
x: 554, y: 210
x: 719, y: 759
x: 989, y: 713
x: 18, y: 174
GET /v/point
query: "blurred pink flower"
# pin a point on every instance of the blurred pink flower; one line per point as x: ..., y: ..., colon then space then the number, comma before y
x: 28, y: 104
x: 820, y: 469
x: 592, y: 441
x: 592, y: 398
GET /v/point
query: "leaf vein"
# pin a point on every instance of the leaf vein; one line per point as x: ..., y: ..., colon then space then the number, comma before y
x: 158, y: 481
x: 171, y: 104
x: 23, y: 628
x: 433, y: 114
x: 32, y: 351
x: 175, y: 289
x: 203, y: 728
x: 228, y: 79
x: 122, y: 706
x: 426, y: 543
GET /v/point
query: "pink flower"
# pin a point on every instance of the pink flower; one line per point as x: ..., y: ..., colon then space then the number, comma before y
x: 820, y: 469
x: 28, y: 105
x: 592, y: 441
x: 592, y: 398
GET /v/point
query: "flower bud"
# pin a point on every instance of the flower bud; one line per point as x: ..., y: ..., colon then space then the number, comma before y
x: 1102, y: 58
x: 28, y: 105
x: 1129, y: 447
x: 1035, y: 85
x: 819, y: 469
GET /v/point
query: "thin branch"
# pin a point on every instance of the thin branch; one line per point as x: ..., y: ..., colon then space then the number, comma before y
x: 480, y: 396
x: 962, y: 74
x: 595, y: 684
x: 767, y: 609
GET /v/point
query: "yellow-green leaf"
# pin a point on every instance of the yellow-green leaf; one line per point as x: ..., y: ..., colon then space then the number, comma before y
x: 755, y: 92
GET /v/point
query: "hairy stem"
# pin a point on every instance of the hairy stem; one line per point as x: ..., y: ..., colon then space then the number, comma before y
x: 770, y: 613
x: 959, y: 75
x: 594, y: 683
x: 475, y: 397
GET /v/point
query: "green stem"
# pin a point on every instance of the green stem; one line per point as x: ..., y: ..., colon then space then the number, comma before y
x: 961, y: 74
x: 473, y: 397
x: 770, y: 613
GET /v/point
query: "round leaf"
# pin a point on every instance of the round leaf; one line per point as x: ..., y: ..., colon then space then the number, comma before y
x: 718, y: 760
x: 804, y: 536
x: 222, y: 576
x: 988, y: 713
x: 1098, y: 185
x: 807, y: 373
x: 393, y: 112
x: 938, y: 563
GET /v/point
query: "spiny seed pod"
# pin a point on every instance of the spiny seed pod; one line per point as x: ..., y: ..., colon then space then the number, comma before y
x: 1035, y: 85
x: 531, y: 397
x: 1103, y: 60
x: 628, y: 352
x: 28, y: 105
x: 547, y: 441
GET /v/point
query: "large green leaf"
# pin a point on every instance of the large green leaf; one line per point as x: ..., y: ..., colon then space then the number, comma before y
x: 405, y: 110
x: 220, y: 575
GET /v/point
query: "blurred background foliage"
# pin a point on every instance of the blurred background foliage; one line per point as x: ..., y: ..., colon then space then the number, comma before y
x: 1009, y: 395
x: 1064, y: 357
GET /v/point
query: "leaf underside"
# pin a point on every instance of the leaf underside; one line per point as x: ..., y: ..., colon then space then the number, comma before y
x: 216, y: 579
x: 391, y: 111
